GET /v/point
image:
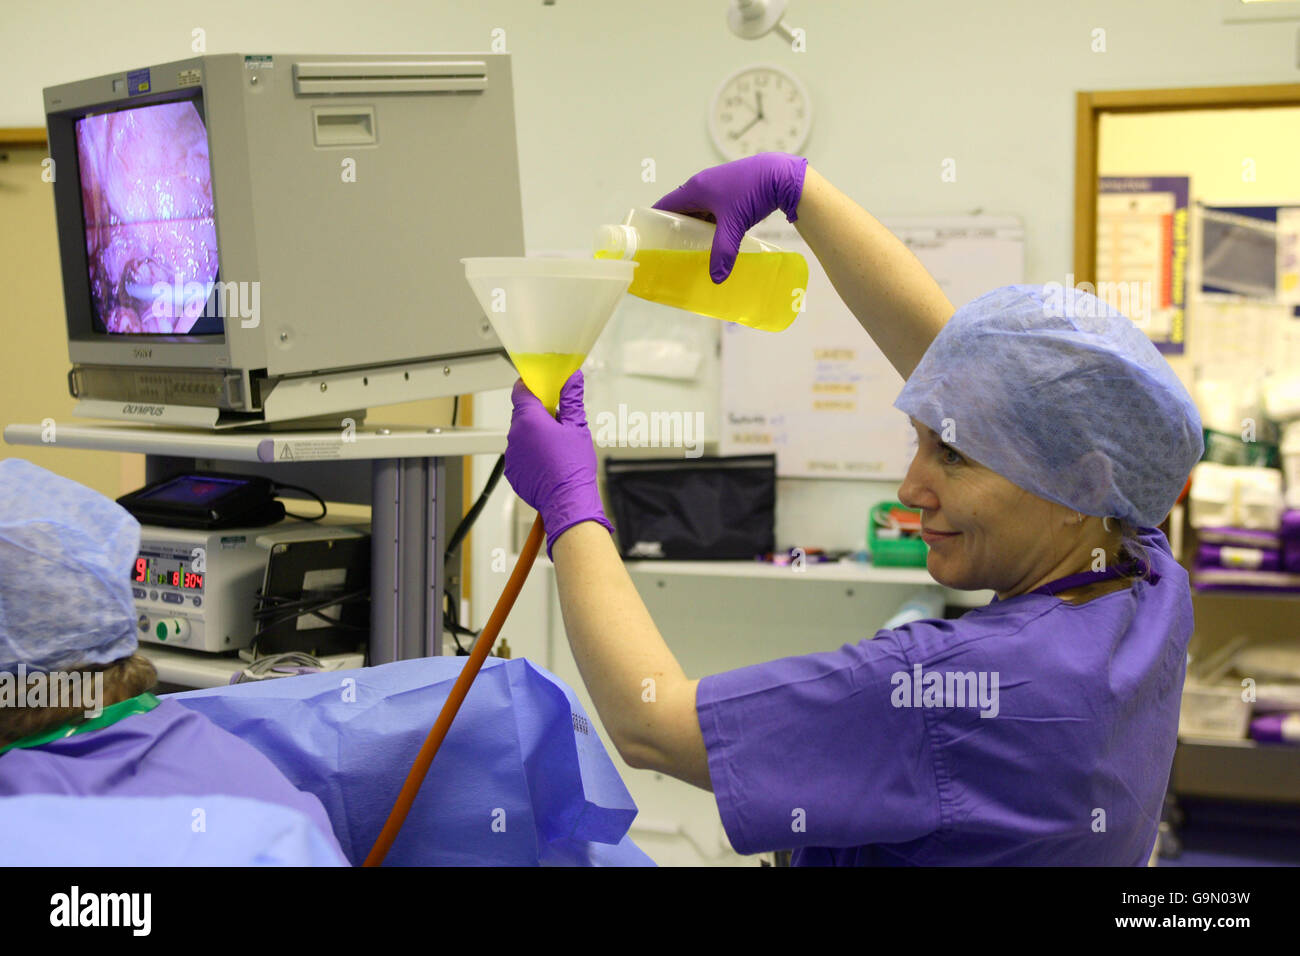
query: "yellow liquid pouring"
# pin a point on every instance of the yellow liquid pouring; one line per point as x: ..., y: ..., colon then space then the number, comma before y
x: 546, y: 372
x: 764, y: 291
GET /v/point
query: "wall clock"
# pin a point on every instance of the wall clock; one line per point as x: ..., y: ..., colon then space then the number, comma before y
x: 760, y: 109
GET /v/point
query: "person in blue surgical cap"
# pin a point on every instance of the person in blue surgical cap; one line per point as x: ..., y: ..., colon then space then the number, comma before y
x: 76, y: 718
x: 1052, y: 439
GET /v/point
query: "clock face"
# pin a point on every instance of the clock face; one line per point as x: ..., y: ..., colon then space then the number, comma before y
x: 760, y: 109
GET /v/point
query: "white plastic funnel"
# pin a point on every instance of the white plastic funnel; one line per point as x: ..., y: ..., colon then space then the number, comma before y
x: 548, y: 313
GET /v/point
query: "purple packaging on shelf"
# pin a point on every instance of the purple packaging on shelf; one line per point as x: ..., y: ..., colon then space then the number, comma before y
x: 1229, y: 556
x: 1291, y: 540
x: 1276, y: 728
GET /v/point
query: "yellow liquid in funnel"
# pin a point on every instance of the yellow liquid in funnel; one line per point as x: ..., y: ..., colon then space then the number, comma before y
x: 764, y: 291
x: 545, y: 373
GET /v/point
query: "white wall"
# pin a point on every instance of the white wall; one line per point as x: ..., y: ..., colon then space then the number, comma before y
x: 602, y: 84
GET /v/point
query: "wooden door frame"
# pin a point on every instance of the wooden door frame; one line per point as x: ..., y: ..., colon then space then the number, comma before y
x: 22, y: 136
x: 1088, y: 109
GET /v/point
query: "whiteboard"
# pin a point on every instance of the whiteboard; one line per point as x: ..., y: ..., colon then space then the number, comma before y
x: 820, y: 394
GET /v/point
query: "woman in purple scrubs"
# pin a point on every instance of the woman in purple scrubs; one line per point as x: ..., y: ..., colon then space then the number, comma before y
x: 1052, y: 440
x: 76, y: 718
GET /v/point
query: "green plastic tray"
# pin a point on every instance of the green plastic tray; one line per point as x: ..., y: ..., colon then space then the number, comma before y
x: 894, y: 552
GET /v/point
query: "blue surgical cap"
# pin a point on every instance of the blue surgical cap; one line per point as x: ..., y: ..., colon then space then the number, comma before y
x: 66, y: 554
x: 1061, y: 394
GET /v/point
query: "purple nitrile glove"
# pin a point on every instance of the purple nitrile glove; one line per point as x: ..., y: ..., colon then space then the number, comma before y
x: 738, y: 196
x: 551, y: 462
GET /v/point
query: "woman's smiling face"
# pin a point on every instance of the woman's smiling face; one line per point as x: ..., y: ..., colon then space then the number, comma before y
x: 996, y: 535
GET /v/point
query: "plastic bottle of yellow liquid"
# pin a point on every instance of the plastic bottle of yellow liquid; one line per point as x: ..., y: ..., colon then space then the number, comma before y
x: 764, y: 291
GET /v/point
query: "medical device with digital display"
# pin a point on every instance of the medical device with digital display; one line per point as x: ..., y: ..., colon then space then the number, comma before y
x: 261, y: 238
x: 199, y: 589
x: 166, y: 570
x: 205, y: 500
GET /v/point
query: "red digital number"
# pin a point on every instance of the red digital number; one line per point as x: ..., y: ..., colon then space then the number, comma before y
x: 176, y: 579
x: 141, y: 566
x: 198, y: 580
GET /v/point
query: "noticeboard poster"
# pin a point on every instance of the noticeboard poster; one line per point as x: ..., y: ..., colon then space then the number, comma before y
x: 1142, y: 250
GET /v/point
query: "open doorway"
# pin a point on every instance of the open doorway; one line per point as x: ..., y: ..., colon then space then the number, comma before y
x: 1197, y: 193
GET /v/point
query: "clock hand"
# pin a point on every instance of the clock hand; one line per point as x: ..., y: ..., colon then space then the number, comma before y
x: 758, y: 98
x: 742, y: 132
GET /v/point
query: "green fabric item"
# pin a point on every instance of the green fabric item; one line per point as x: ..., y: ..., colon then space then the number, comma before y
x: 111, y: 715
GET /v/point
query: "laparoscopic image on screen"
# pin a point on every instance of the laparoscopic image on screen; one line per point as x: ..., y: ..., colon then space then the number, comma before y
x: 151, y: 240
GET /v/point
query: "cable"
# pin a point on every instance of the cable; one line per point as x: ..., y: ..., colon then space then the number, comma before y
x: 393, y: 825
x: 451, y: 620
x: 290, y: 608
x: 271, y: 612
x: 471, y: 516
x: 289, y: 664
x: 451, y: 614
x: 308, y: 492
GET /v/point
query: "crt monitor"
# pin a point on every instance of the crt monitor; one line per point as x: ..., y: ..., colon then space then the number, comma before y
x: 248, y: 239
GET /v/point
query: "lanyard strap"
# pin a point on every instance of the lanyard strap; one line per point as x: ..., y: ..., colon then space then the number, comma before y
x: 1092, y: 577
x: 135, y: 705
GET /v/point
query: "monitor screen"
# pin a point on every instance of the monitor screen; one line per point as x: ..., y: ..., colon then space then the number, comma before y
x: 193, y: 490
x: 151, y: 240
